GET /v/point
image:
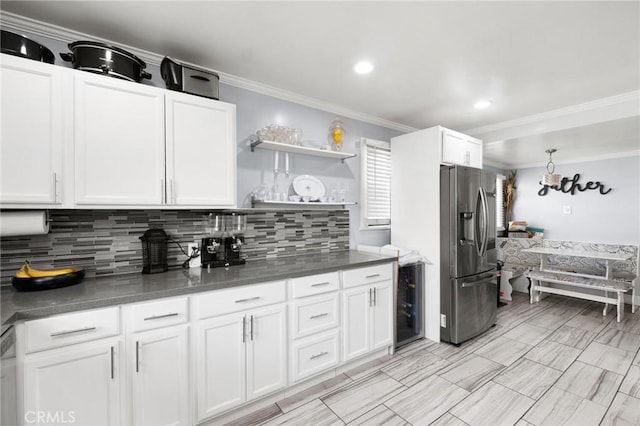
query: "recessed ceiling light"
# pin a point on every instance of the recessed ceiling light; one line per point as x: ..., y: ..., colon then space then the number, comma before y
x: 363, y: 67
x: 482, y: 104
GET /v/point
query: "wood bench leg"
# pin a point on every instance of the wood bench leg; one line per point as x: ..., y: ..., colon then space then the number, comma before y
x: 620, y: 306
x: 533, y: 294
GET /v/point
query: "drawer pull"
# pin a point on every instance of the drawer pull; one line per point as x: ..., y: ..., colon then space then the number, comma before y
x: 172, y: 314
x: 324, y: 314
x: 247, y: 300
x: 318, y: 355
x: 65, y: 332
x: 320, y: 284
x: 372, y: 276
x: 112, y: 363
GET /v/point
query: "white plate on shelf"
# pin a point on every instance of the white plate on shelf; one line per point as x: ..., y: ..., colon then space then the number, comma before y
x: 308, y: 186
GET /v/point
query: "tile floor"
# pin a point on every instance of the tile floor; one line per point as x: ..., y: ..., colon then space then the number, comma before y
x: 556, y: 362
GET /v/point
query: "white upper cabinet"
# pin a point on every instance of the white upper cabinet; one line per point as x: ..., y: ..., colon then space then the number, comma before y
x: 31, y: 138
x: 119, y: 142
x: 457, y: 148
x: 71, y: 138
x: 201, y: 151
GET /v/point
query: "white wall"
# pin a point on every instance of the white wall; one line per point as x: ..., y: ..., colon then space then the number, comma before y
x: 610, y: 218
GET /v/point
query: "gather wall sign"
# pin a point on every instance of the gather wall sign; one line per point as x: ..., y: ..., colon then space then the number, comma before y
x: 570, y: 186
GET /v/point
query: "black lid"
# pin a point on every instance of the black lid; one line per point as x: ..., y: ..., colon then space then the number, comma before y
x: 154, y: 234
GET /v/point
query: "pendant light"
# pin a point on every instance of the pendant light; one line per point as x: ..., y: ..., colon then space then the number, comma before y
x: 551, y: 179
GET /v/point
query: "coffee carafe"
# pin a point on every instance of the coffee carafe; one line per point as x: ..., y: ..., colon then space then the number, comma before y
x: 234, y: 239
x: 213, y: 244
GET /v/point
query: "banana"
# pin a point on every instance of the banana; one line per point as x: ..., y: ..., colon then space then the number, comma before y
x: 22, y: 272
x: 26, y: 271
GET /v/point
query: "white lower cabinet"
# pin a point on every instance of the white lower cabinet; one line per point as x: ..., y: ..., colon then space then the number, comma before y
x: 79, y: 384
x: 367, y: 319
x: 239, y: 357
x: 160, y: 376
x: 211, y: 352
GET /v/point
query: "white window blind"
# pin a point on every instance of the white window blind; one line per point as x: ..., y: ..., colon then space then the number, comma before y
x: 500, y: 225
x: 376, y: 183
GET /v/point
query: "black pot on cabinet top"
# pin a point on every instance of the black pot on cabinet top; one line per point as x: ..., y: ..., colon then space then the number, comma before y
x: 19, y: 45
x: 102, y: 58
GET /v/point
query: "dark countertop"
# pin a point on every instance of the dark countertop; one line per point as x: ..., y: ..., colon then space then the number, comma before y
x: 116, y: 290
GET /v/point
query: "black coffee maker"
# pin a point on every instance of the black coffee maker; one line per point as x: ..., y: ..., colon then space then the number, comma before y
x: 222, y: 245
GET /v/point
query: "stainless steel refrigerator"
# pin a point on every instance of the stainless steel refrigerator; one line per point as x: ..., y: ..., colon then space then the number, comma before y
x: 468, y: 282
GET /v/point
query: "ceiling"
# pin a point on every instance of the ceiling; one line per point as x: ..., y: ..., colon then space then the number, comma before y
x: 433, y: 60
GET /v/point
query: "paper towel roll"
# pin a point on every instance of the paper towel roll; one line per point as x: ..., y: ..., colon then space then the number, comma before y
x: 33, y: 222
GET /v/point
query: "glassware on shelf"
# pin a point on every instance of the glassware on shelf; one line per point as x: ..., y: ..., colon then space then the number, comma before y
x: 343, y: 189
x: 280, y: 134
x: 336, y: 133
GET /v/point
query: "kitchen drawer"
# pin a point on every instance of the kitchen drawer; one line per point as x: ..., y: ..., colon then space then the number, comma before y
x: 314, y: 284
x: 371, y: 274
x: 69, y: 329
x: 162, y: 313
x: 315, y: 314
x: 239, y: 299
x: 314, y: 355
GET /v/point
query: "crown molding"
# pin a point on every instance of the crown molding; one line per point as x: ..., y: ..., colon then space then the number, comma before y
x: 600, y: 110
x: 44, y: 29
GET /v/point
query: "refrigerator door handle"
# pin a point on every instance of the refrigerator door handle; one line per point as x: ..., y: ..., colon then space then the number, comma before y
x: 467, y: 284
x: 485, y: 221
x: 476, y: 224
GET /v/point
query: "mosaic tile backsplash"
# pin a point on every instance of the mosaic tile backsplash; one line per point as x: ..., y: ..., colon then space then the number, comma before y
x: 106, y: 242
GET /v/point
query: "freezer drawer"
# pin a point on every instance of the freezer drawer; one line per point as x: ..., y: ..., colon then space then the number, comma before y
x: 471, y: 307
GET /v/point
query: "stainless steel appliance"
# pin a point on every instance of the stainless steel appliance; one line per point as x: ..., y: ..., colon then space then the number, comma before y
x: 188, y: 79
x: 468, y: 281
x: 409, y: 307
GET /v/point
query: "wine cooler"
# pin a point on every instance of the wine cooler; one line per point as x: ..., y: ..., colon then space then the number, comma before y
x: 410, y: 308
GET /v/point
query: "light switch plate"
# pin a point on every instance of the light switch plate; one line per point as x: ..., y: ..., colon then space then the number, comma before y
x: 566, y: 209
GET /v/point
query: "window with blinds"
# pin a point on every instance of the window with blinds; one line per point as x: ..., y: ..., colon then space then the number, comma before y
x: 500, y: 225
x: 376, y: 183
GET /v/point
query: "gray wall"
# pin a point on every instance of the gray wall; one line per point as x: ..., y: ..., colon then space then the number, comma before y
x: 254, y: 111
x: 611, y: 218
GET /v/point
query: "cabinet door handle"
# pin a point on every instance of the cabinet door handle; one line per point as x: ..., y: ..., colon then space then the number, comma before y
x: 318, y: 355
x: 154, y: 317
x: 320, y: 284
x: 65, y: 332
x: 173, y: 195
x: 372, y: 276
x: 55, y: 187
x: 375, y: 297
x: 247, y: 300
x: 244, y: 329
x: 370, y: 299
x: 324, y: 314
x: 112, y: 362
x: 251, y: 331
x: 137, y: 356
x: 162, y: 191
